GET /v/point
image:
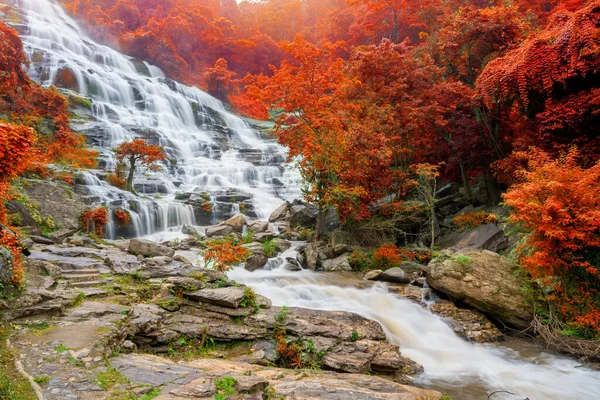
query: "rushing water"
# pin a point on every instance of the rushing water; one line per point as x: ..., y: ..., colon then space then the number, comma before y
x: 210, y: 149
x: 463, y: 370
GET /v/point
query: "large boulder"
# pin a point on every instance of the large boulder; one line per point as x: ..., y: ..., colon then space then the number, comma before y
x: 219, y: 230
x: 483, y: 280
x: 488, y: 237
x: 230, y: 297
x: 148, y: 248
x: 256, y: 262
x: 190, y: 230
x: 236, y: 222
x: 337, y: 264
x: 395, y: 274
x: 258, y: 226
x: 340, y: 242
x: 280, y: 212
x: 303, y: 215
x: 6, y: 265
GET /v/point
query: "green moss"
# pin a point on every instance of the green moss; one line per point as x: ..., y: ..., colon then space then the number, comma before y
x: 148, y: 396
x: 269, y: 248
x: 110, y: 378
x: 78, y: 101
x: 13, y: 386
x: 225, y: 387
x: 42, y: 380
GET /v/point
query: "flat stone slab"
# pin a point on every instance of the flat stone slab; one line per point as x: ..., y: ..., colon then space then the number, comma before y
x: 196, y: 380
x: 230, y: 297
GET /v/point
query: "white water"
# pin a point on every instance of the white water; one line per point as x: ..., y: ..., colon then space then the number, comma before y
x: 133, y: 99
x: 452, y: 365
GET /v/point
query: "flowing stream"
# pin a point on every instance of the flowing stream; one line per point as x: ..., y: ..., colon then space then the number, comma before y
x: 212, y: 152
x: 222, y: 157
x: 453, y: 366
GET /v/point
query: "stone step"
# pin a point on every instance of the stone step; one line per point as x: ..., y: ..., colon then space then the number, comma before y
x: 81, y: 271
x: 82, y: 277
x: 87, y: 283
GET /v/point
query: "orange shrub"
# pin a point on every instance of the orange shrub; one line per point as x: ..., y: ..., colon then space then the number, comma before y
x: 558, y: 202
x: 474, y: 219
x: 291, y: 354
x: 223, y: 255
x: 95, y: 219
x: 122, y: 217
x: 11, y: 242
x: 116, y: 180
x: 388, y: 256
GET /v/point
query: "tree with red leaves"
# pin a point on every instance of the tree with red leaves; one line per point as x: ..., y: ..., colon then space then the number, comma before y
x: 220, y: 80
x: 552, y: 80
x: 139, y: 153
x: 558, y: 202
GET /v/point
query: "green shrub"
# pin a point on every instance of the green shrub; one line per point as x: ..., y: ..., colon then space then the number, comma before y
x: 269, y: 248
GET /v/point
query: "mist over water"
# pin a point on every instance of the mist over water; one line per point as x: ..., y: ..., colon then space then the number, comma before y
x: 210, y: 150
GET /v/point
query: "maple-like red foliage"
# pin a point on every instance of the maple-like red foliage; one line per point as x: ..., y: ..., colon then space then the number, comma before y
x: 223, y: 255
x: 122, y: 217
x: 95, y: 220
x: 558, y: 202
x: 136, y: 153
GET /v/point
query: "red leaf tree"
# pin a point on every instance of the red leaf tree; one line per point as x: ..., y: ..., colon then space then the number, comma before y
x: 138, y: 153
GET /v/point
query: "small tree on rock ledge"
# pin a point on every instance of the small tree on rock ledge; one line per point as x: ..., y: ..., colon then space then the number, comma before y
x: 138, y: 152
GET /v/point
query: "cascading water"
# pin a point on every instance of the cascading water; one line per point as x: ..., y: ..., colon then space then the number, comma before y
x: 211, y: 151
x: 463, y: 370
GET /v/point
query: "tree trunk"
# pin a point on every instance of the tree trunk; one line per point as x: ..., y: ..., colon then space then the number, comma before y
x: 463, y: 174
x: 130, y: 176
x: 319, y: 225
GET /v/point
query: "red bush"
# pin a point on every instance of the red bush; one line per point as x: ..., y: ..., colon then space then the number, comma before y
x: 95, y: 219
x: 558, y: 202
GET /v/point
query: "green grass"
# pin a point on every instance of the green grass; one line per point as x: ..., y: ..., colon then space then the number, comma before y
x: 110, y: 378
x: 148, y: 396
x: 42, y: 380
x: 13, y: 386
x: 61, y: 349
x: 248, y: 237
x: 269, y: 248
x: 249, y: 298
x: 225, y: 387
x: 354, y: 336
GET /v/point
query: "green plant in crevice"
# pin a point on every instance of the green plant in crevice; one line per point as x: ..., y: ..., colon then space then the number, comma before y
x: 269, y: 248
x: 225, y: 387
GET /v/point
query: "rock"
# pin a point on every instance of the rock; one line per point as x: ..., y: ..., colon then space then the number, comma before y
x: 280, y: 212
x: 227, y: 297
x: 41, y: 240
x: 487, y: 237
x: 311, y: 255
x: 484, y: 280
x: 256, y: 262
x: 6, y: 265
x: 57, y: 200
x: 411, y: 267
x: 337, y: 264
x: 190, y: 230
x: 159, y: 267
x: 60, y: 235
x: 340, y: 242
x: 128, y: 346
x: 303, y: 215
x: 347, y: 357
x: 372, y: 275
x: 210, y: 275
x: 236, y: 222
x: 291, y: 264
x: 331, y: 220
x: 182, y: 260
x: 303, y: 322
x: 196, y: 380
x: 447, y: 190
x: 184, y: 283
x: 251, y: 384
x: 394, y: 274
x: 121, y: 263
x: 264, y: 236
x: 149, y: 248
x: 467, y: 323
x: 218, y: 230
x: 258, y: 226
x: 282, y: 245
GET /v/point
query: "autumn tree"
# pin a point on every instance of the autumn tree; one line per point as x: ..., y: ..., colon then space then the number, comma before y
x: 552, y: 82
x: 139, y: 153
x: 557, y: 201
x: 220, y: 80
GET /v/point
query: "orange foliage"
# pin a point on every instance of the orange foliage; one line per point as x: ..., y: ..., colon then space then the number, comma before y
x: 122, y: 217
x: 474, y: 219
x: 95, y: 219
x: 134, y: 153
x: 558, y: 201
x: 291, y: 354
x: 12, y: 243
x: 222, y: 255
x: 388, y: 256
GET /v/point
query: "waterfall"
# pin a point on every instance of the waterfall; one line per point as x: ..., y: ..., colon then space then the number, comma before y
x: 210, y: 149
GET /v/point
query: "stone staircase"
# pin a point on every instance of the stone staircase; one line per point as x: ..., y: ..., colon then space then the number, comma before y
x: 86, y: 280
